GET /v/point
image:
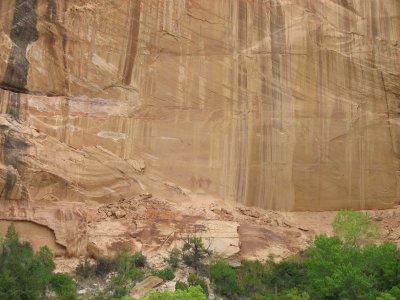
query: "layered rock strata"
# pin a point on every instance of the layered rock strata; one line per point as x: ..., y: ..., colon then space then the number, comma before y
x: 279, y: 104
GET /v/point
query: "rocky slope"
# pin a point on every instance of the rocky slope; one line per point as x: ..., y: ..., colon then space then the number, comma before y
x: 280, y: 104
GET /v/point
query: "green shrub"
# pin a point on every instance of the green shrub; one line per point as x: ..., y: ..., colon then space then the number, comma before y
x: 27, y: 275
x: 193, y: 293
x: 386, y: 296
x: 355, y: 227
x: 381, y: 262
x: 195, y: 280
x: 166, y: 274
x: 174, y: 258
x: 104, y: 266
x: 129, y: 264
x: 138, y: 260
x: 395, y: 292
x: 180, y: 285
x: 292, y: 294
x: 335, y: 271
x: 225, y: 280
x: 287, y: 274
x: 127, y: 271
x: 85, y: 269
x: 255, y: 278
x: 194, y: 252
x: 64, y: 286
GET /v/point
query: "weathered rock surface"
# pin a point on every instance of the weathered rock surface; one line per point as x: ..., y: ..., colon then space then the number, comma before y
x: 279, y: 104
x: 142, y: 288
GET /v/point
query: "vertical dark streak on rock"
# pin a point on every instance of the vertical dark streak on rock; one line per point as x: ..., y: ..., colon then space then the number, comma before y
x: 131, y: 49
x: 242, y: 121
x: 13, y: 105
x: 263, y: 107
x: 23, y: 33
x: 64, y: 46
x: 277, y: 26
x: 51, y: 17
x: 14, y: 147
x: 51, y: 10
x: 11, y: 180
x: 388, y: 113
x: 65, y: 63
x: 374, y: 25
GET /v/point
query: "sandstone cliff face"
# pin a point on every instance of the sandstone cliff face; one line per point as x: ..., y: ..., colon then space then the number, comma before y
x: 279, y: 104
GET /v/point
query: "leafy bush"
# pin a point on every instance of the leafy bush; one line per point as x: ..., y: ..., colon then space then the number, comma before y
x: 292, y: 294
x: 27, y: 275
x: 127, y: 274
x: 104, y: 266
x: 138, y: 260
x: 174, y: 258
x: 193, y: 293
x: 225, y: 280
x: 85, y: 269
x: 395, y: 292
x: 195, y: 280
x: 386, y: 296
x: 287, y: 274
x: 254, y: 278
x: 180, y: 285
x: 166, y: 274
x: 355, y: 227
x: 194, y: 252
x: 64, y: 286
x: 335, y: 271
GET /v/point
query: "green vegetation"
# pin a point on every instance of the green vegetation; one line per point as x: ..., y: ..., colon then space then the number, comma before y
x: 192, y: 293
x: 166, y: 274
x: 64, y: 286
x: 104, y: 266
x: 194, y: 252
x: 180, y: 285
x: 355, y: 228
x: 174, y: 258
x: 128, y: 271
x: 344, y: 267
x: 195, y: 280
x: 225, y: 280
x: 85, y: 269
x: 348, y: 266
x: 25, y: 275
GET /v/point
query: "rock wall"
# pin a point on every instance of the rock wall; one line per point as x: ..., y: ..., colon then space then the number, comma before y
x: 280, y: 104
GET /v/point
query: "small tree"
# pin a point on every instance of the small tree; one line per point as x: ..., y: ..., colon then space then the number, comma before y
x: 355, y: 227
x: 194, y: 252
x: 174, y: 258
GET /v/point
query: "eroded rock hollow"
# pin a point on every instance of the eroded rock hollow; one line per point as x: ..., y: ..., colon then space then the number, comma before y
x: 278, y: 104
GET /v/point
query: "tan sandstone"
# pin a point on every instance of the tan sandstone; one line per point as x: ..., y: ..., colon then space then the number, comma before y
x: 205, y: 106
